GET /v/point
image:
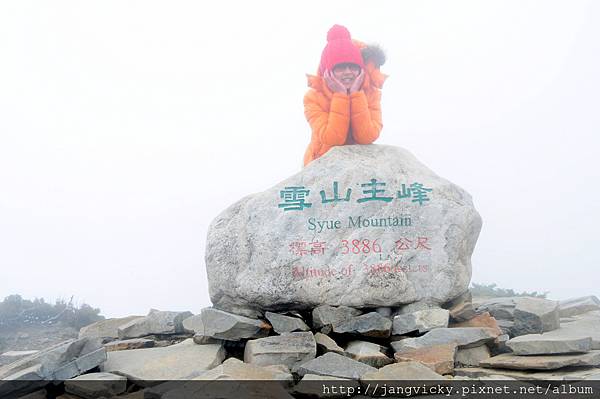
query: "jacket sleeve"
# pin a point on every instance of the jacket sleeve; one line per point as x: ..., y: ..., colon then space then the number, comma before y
x: 329, y: 126
x: 365, y: 116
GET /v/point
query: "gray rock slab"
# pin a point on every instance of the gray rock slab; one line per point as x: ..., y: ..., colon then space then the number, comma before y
x: 231, y: 327
x: 156, y: 322
x: 576, y: 306
x: 535, y: 316
x: 235, y: 369
x: 327, y: 344
x: 289, y: 349
x: 95, y: 385
x: 327, y: 315
x: 285, y: 324
x: 134, y: 343
x: 335, y: 365
x: 421, y: 321
x: 541, y: 344
x: 59, y: 362
x: 263, y: 251
x: 370, y: 325
x: 542, y: 362
x: 193, y: 324
x: 106, y: 329
x: 464, y: 337
x: 403, y: 371
x: 522, y: 375
x: 499, y: 308
x: 184, y: 360
x: 368, y: 353
x: 584, y: 325
x: 468, y: 357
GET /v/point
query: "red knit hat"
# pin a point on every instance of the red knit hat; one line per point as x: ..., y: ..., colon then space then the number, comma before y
x: 339, y: 49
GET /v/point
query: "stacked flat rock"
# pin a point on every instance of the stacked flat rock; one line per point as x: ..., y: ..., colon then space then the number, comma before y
x: 295, y: 245
x: 360, y: 347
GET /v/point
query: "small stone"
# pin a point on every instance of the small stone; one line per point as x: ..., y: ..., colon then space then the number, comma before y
x: 285, y: 324
x: 439, y: 358
x: 370, y: 325
x: 289, y: 349
x: 332, y: 364
x: 385, y: 311
x: 94, y: 385
x: 368, y: 353
x: 204, y: 340
x: 468, y: 357
x: 326, y: 344
x: 402, y: 371
x: 232, y: 327
x: 193, y: 324
x: 327, y: 315
x: 421, y: 321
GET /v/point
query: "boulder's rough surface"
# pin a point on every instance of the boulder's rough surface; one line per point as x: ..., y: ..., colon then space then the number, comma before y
x: 284, y: 248
x: 184, y: 360
x: 59, y: 362
x: 583, y: 325
x: 481, y: 320
x: 95, y: 385
x: 421, y: 321
x: 289, y: 349
x: 156, y: 322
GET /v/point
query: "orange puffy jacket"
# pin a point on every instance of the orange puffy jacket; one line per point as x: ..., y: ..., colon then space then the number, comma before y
x: 338, y: 118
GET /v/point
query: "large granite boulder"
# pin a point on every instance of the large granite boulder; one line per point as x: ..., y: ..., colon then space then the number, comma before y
x: 362, y: 226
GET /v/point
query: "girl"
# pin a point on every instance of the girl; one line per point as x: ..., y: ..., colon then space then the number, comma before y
x: 342, y: 105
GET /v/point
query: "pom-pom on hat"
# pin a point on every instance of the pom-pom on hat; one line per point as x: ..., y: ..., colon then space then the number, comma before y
x: 339, y: 49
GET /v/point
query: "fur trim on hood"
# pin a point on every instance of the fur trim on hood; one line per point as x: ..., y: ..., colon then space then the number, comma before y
x: 373, y: 53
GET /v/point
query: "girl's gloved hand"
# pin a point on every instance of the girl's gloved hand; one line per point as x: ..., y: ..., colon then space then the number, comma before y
x: 334, y: 85
x: 358, y: 82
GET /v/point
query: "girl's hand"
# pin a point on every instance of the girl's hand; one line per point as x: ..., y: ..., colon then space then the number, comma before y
x: 334, y: 85
x: 358, y: 82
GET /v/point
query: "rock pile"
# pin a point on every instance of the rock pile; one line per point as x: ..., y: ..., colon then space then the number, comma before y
x: 458, y: 341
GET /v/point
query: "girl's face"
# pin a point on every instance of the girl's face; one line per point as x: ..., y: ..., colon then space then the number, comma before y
x: 346, y: 73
